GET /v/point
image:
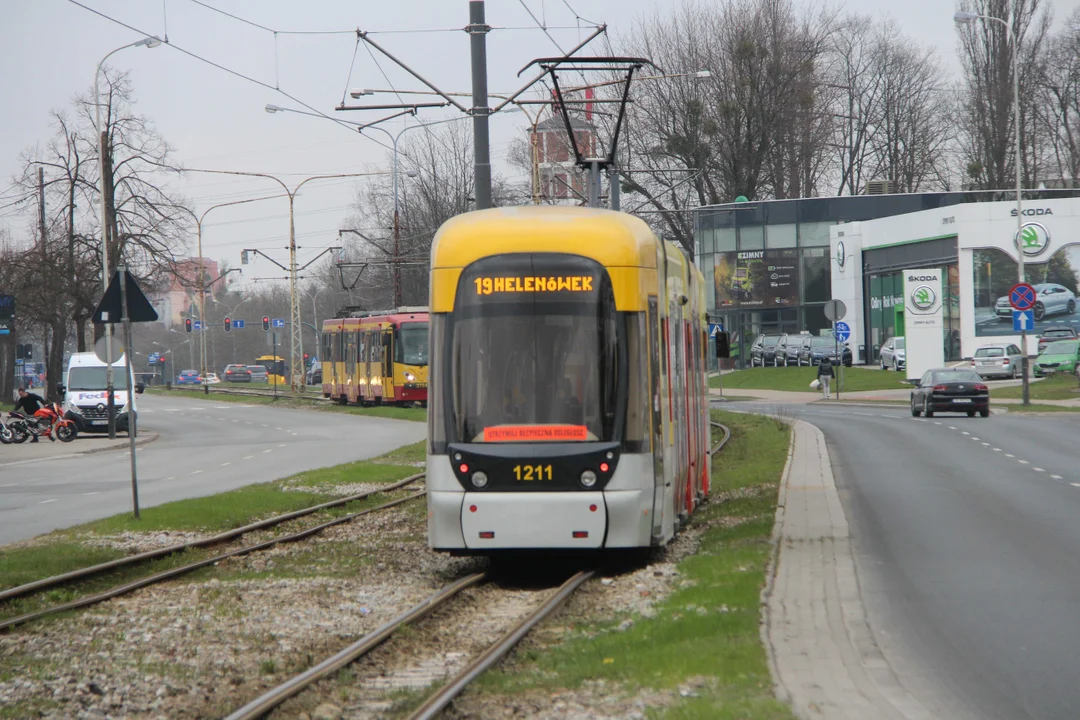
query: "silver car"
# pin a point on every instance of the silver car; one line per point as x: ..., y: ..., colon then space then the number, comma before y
x: 998, y: 361
x: 1050, y: 299
x: 892, y: 354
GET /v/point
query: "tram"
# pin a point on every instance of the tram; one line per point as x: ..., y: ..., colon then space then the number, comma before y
x: 377, y: 358
x: 277, y: 370
x: 568, y: 404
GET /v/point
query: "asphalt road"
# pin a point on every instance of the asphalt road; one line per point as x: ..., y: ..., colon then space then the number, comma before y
x: 206, y: 447
x: 967, y: 538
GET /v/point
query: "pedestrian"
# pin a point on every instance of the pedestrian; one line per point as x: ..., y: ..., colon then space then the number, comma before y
x: 30, y: 403
x: 825, y: 375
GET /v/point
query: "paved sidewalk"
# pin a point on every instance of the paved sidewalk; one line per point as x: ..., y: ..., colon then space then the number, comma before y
x: 44, y: 450
x: 824, y: 658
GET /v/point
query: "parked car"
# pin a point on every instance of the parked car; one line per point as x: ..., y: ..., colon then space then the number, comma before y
x: 314, y: 373
x: 893, y: 355
x: 1059, y: 356
x: 950, y: 390
x: 763, y: 351
x: 258, y: 373
x: 1050, y: 299
x: 237, y: 373
x: 211, y: 379
x: 1054, y: 333
x: 998, y: 361
x: 188, y: 377
x: 793, y: 346
x: 825, y: 348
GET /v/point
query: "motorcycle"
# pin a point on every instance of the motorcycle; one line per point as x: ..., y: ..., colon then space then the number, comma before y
x: 6, y: 435
x: 48, y: 421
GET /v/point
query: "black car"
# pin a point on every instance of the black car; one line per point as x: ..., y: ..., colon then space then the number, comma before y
x: 764, y: 351
x: 793, y: 345
x: 950, y: 390
x: 821, y: 348
x: 236, y: 373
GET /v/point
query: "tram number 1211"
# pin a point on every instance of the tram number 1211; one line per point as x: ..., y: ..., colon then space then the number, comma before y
x: 532, y: 472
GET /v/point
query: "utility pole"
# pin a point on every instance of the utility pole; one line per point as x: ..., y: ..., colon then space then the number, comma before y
x: 478, y: 30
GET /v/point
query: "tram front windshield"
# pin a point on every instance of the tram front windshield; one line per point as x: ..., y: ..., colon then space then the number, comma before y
x: 535, y: 365
x: 412, y: 344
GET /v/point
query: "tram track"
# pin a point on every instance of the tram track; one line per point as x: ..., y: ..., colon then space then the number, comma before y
x: 55, y: 581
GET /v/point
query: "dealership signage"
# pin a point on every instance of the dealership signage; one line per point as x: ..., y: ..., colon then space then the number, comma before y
x: 924, y: 323
x: 756, y: 278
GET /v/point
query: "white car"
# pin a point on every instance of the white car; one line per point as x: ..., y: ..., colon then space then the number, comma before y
x: 892, y: 354
x: 211, y: 379
x: 998, y: 361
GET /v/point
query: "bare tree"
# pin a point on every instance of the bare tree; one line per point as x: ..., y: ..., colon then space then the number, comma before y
x: 1058, y: 106
x: 987, y: 119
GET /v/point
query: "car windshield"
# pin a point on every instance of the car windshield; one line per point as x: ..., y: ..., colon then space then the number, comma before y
x: 1061, y: 347
x: 824, y: 342
x: 93, y: 378
x: 770, y: 341
x: 1063, y: 333
x: 899, y: 343
x: 256, y: 368
x: 957, y: 376
x: 990, y: 352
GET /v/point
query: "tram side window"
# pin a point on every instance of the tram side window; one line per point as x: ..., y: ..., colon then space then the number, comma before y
x: 637, y: 406
x: 341, y: 345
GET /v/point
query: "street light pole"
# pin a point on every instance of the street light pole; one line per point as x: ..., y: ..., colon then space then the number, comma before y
x: 966, y: 18
x: 103, y: 142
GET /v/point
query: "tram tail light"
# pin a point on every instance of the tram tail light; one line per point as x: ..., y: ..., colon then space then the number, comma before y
x: 581, y: 533
x: 487, y: 534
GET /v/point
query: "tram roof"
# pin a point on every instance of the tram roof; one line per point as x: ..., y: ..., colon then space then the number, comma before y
x: 613, y: 239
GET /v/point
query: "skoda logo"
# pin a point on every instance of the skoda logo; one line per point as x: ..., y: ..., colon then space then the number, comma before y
x: 1033, y: 238
x: 841, y: 255
x: 923, y: 297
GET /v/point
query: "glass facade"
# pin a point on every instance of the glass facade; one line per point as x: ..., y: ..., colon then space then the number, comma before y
x: 769, y: 267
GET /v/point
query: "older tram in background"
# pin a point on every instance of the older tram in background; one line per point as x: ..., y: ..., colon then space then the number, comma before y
x: 568, y: 404
x: 377, y: 358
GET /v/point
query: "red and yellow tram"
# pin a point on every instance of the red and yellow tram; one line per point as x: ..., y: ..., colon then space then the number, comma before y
x: 377, y: 358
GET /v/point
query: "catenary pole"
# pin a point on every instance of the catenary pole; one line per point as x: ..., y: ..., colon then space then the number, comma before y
x: 478, y: 30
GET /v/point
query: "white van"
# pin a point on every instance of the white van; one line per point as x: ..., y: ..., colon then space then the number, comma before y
x: 85, y: 391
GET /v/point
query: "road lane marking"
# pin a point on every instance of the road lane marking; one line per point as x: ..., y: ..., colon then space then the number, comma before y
x: 266, y: 426
x: 196, y: 472
x: 1075, y: 484
x: 45, y: 502
x: 965, y: 432
x: 277, y: 428
x: 91, y: 493
x: 936, y: 422
x: 974, y: 438
x: 1009, y: 455
x: 1038, y: 469
x: 225, y: 464
x: 1056, y: 477
x: 997, y: 449
x: 268, y: 450
x: 171, y: 478
x: 248, y: 422
x: 952, y: 427
x: 281, y: 445
x: 986, y: 444
x: 1023, y: 462
x: 247, y: 457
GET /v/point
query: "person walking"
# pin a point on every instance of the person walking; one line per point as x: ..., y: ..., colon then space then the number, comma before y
x: 825, y: 375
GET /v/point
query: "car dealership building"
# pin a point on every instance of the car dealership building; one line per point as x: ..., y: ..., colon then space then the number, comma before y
x: 773, y: 264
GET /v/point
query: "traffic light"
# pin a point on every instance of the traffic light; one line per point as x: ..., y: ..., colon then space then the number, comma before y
x: 228, y: 324
x: 28, y: 354
x: 266, y: 323
x: 187, y: 325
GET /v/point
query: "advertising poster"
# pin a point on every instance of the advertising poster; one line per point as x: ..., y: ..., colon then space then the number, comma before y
x: 756, y: 278
x: 1055, y: 283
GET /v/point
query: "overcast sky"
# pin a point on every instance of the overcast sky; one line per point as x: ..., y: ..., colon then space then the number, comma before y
x: 49, y: 49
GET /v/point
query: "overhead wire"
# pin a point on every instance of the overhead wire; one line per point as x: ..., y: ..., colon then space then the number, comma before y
x: 268, y: 29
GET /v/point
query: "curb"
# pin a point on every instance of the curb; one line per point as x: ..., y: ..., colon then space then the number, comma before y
x: 143, y: 438
x: 779, y: 689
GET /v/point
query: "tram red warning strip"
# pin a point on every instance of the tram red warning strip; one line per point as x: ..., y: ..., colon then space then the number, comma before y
x: 525, y: 433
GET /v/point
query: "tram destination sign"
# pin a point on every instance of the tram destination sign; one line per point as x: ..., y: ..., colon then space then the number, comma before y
x: 486, y: 285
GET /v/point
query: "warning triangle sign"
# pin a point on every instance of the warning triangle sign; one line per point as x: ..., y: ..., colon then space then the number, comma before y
x: 138, y: 307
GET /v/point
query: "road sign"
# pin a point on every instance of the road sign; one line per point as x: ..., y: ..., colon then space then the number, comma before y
x: 237, y: 324
x: 101, y: 347
x: 835, y: 309
x: 715, y: 328
x: 198, y: 325
x: 138, y: 307
x: 277, y: 322
x: 843, y: 332
x: 1022, y: 296
x: 1023, y: 320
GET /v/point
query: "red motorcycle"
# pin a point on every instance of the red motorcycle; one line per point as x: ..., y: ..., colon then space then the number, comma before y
x: 48, y: 421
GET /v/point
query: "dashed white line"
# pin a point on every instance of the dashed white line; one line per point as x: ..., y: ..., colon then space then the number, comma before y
x: 1009, y: 455
x: 45, y: 502
x: 936, y: 422
x: 266, y: 426
x: 91, y: 493
x: 974, y: 438
x: 247, y: 457
x: 196, y: 472
x: 965, y: 432
x: 997, y: 449
x: 1038, y: 469
x: 1023, y: 462
x: 277, y: 428
x: 226, y: 464
x: 281, y: 445
x: 952, y: 427
x: 1075, y: 484
x: 268, y: 450
x: 1056, y: 477
x: 986, y: 444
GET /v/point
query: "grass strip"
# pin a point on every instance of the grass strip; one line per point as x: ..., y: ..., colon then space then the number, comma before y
x: 705, y: 635
x: 1034, y: 408
x: 1055, y: 387
x: 382, y: 411
x: 798, y: 379
x: 64, y: 550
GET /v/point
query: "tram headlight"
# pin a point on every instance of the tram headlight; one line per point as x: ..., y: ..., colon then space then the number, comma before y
x: 479, y: 479
x: 409, y: 377
x: 588, y: 478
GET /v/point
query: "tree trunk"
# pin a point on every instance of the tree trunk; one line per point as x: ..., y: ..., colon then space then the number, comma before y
x: 54, y: 362
x: 7, y: 370
x: 80, y: 333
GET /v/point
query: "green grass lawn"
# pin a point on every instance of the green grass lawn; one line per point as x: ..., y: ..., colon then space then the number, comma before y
x: 798, y: 379
x: 1055, y: 387
x: 709, y: 626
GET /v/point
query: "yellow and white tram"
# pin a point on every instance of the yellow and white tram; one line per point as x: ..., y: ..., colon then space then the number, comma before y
x: 568, y: 405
